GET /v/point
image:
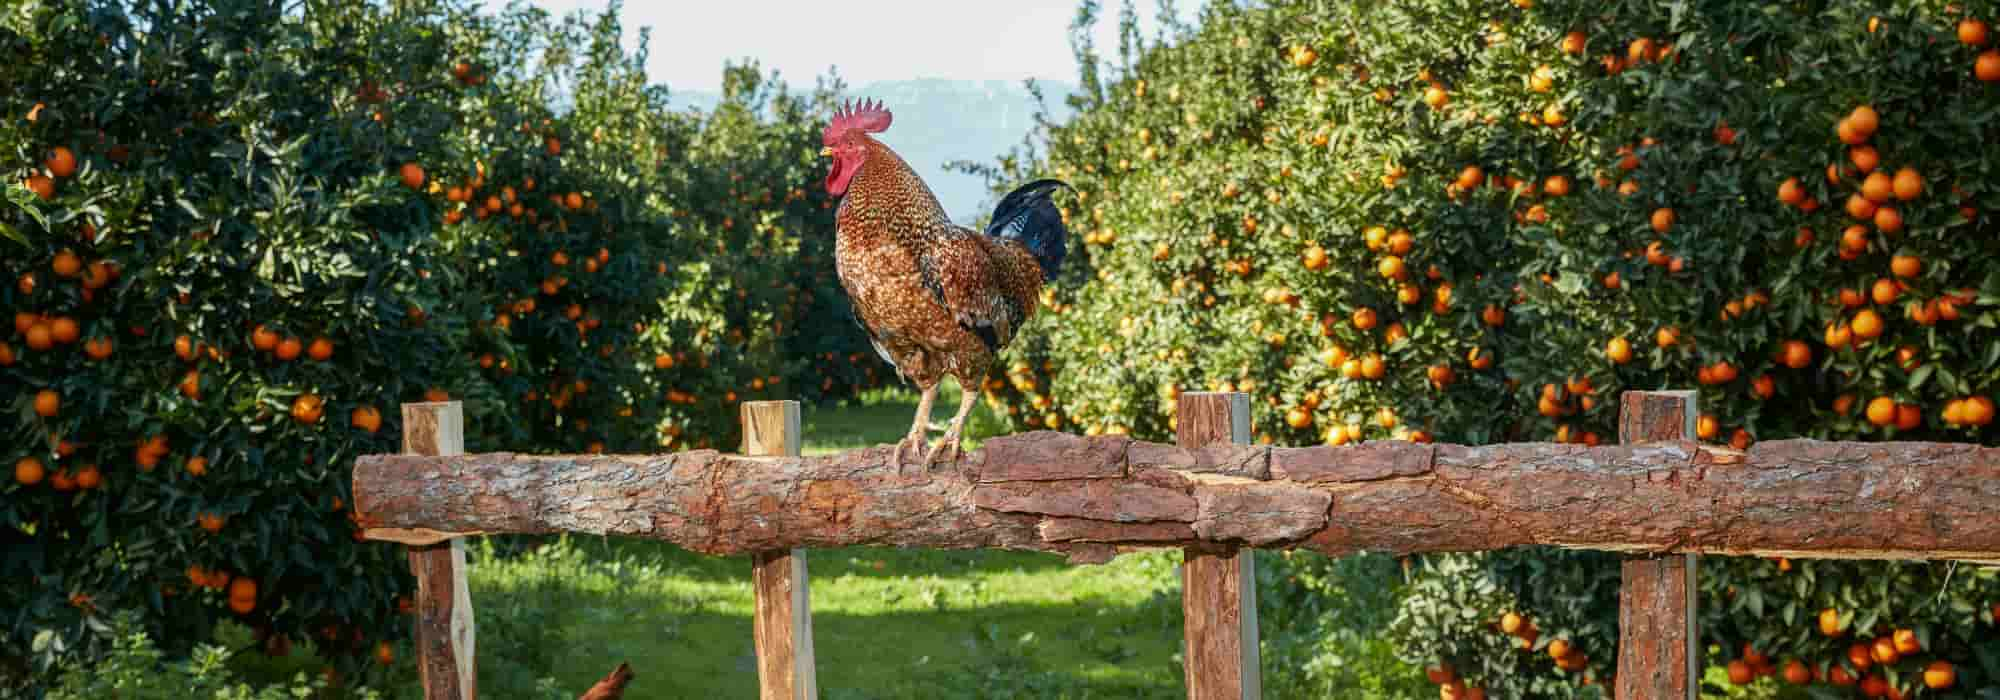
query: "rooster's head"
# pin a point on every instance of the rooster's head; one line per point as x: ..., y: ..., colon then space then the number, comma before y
x: 845, y: 142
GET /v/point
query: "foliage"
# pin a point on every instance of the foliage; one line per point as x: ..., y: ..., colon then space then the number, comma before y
x: 239, y: 235
x: 1480, y: 222
x: 136, y: 669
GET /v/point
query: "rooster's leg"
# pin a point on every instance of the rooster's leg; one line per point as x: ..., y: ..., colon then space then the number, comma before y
x: 918, y: 427
x: 947, y: 446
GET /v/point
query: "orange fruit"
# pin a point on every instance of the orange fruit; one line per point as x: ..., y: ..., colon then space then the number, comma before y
x: 42, y: 186
x: 289, y: 349
x: 1314, y: 257
x: 1298, y: 418
x: 1512, y: 623
x: 1858, y: 656
x: 1372, y: 367
x: 1865, y: 158
x: 1706, y: 427
x: 1908, y: 184
x: 1909, y: 417
x: 1884, y: 291
x: 367, y: 418
x: 243, y: 587
x: 1978, y: 410
x: 1867, y: 324
x: 1860, y: 208
x: 412, y: 175
x: 1573, y: 42
x: 1364, y: 318
x: 1478, y: 358
x: 1392, y: 267
x: 1791, y: 192
x: 1493, y: 315
x: 1796, y: 673
x: 1663, y: 219
x: 1888, y: 220
x: 96, y: 348
x: 60, y: 162
x: 1838, y: 675
x: 1940, y: 674
x: 384, y: 654
x: 48, y: 403
x: 1855, y: 238
x: 1557, y: 186
x: 1906, y: 641
x: 321, y: 349
x: 242, y: 606
x: 1972, y: 32
x: 1795, y: 354
x: 197, y: 465
x: 29, y: 471
x: 88, y: 477
x: 307, y: 408
x: 63, y: 330
x: 1559, y: 649
x: 1441, y: 675
x: 1883, y: 651
x: 1401, y: 242
x: 1906, y: 265
x: 190, y: 385
x: 1878, y: 187
x: 1435, y: 97
x: 1881, y: 411
x: 1739, y: 672
x: 1441, y: 376
x: 66, y: 264
x: 1986, y: 68
x: 40, y: 337
x: 1470, y: 177
x: 1667, y: 337
x: 263, y: 338
x: 6, y: 355
x: 1875, y: 686
x: 1618, y: 350
x: 1864, y: 120
x: 1764, y: 387
x: 436, y: 395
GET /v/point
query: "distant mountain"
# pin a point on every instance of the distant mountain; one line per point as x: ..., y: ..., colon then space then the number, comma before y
x: 938, y: 121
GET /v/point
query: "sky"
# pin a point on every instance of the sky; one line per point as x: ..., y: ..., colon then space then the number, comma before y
x: 869, y: 40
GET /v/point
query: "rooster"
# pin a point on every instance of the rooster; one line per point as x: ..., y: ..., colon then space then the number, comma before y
x: 936, y: 298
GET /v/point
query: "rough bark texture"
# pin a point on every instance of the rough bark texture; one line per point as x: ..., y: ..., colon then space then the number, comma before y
x: 1798, y: 498
x: 1656, y: 602
x: 782, y: 630
x: 1219, y: 585
x: 444, y: 631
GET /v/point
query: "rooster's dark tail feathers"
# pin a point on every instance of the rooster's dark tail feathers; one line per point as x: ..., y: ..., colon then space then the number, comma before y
x: 1027, y: 216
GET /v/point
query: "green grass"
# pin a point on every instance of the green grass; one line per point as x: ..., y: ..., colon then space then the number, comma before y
x: 888, y: 623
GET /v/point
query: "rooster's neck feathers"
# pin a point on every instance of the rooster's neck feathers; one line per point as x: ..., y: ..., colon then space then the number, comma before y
x: 886, y: 186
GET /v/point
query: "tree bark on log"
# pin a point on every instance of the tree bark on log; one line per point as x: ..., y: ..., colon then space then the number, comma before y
x: 1087, y: 497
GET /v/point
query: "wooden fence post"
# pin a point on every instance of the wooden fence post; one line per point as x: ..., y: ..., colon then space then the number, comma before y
x: 1658, y: 637
x: 1218, y: 589
x: 444, y: 634
x: 783, y: 625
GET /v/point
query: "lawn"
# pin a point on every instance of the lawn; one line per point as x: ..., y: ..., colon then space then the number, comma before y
x: 888, y: 623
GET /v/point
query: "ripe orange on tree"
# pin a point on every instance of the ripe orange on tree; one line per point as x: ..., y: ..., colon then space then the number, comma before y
x: 29, y: 471
x: 307, y: 408
x: 48, y: 403
x: 60, y: 162
x: 1972, y: 32
x: 412, y: 175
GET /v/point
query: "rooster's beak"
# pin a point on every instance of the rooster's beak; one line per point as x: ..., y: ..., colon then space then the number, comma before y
x: 826, y: 151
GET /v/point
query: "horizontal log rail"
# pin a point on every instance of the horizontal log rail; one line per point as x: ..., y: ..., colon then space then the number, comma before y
x: 1090, y: 497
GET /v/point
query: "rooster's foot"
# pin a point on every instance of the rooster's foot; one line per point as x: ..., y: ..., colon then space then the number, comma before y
x: 914, y: 444
x: 947, y: 448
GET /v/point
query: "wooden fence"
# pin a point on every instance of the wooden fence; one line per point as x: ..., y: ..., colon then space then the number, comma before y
x: 1658, y: 497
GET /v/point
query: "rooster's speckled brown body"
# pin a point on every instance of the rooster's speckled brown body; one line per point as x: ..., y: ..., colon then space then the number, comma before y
x: 936, y: 298
x: 923, y: 286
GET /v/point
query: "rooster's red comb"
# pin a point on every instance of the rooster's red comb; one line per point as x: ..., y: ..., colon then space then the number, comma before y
x: 869, y: 117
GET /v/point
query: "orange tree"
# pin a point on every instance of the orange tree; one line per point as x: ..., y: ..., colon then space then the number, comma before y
x: 238, y: 238
x: 1480, y: 222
